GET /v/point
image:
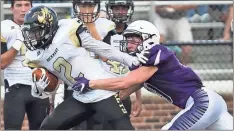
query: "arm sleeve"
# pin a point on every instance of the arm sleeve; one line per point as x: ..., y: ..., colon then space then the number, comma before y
x: 27, y: 63
x: 105, y: 50
x: 3, y: 47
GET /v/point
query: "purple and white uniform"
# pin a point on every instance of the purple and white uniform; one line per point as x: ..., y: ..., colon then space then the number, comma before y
x: 180, y: 85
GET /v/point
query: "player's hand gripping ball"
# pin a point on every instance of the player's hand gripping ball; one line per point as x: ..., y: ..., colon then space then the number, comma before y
x: 47, y: 77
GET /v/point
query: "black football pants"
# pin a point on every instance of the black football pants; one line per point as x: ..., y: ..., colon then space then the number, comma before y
x: 72, y: 112
x: 18, y: 101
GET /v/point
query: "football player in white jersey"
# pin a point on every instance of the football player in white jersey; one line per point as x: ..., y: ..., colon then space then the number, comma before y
x: 99, y: 28
x: 62, y: 48
x: 103, y: 29
x: 120, y: 12
x: 88, y: 12
x: 17, y: 78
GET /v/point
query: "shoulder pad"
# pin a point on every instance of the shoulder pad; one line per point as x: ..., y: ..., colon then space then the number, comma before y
x: 8, y: 28
x: 104, y: 26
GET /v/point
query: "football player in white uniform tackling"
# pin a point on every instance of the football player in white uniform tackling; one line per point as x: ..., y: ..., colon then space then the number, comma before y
x: 60, y: 47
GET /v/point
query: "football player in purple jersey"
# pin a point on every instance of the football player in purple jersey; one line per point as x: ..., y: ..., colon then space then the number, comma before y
x: 164, y: 75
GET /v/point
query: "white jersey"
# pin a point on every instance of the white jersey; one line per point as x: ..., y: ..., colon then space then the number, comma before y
x: 114, y: 67
x: 66, y: 59
x: 15, y: 72
x: 104, y: 26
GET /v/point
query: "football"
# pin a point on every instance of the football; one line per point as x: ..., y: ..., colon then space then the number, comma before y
x: 52, y: 78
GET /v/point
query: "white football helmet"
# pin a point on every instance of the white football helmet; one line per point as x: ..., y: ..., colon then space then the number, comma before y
x: 147, y: 31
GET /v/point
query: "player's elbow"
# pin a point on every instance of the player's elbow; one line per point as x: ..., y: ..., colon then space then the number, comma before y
x: 5, y: 62
x: 4, y: 65
x: 139, y: 81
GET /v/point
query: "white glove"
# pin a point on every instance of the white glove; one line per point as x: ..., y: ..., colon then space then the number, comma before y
x: 141, y: 56
x: 42, y: 83
x: 39, y: 86
x: 39, y: 94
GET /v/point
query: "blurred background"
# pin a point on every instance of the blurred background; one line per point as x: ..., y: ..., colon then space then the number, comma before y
x: 198, y: 33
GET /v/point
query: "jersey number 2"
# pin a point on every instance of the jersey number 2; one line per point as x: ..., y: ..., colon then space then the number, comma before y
x: 61, y: 62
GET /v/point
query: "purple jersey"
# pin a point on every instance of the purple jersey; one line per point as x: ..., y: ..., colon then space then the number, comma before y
x: 173, y: 81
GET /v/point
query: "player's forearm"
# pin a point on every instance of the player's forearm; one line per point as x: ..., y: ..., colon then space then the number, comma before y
x: 135, y: 77
x: 103, y: 49
x: 113, y: 54
x: 8, y: 57
x: 109, y: 84
x: 127, y: 92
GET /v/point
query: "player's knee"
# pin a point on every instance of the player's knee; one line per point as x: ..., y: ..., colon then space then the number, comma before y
x: 226, y: 121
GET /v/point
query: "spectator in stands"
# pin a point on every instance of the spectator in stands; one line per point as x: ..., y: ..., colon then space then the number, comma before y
x: 218, y: 12
x: 171, y: 20
x: 227, y: 29
x: 17, y: 78
x: 199, y: 14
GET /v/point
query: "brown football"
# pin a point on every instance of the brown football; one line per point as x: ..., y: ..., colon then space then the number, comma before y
x: 52, y: 78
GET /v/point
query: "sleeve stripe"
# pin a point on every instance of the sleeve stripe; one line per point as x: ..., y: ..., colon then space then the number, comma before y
x: 3, y: 40
x: 157, y: 60
x: 27, y: 63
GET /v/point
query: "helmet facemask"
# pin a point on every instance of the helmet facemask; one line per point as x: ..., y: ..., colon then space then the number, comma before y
x: 88, y: 12
x: 120, y: 12
x: 35, y: 35
x: 131, y: 44
x: 40, y: 26
x: 139, y: 42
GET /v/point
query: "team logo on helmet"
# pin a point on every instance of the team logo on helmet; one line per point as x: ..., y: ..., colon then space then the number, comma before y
x: 43, y: 16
